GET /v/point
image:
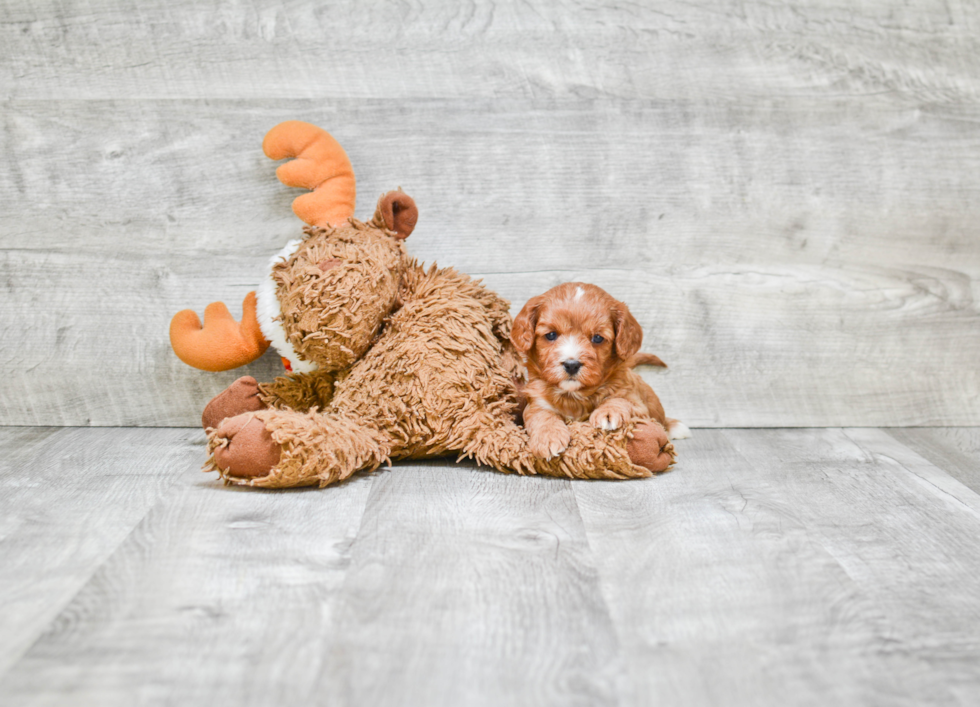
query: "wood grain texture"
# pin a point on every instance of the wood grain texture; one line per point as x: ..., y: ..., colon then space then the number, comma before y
x: 216, y: 597
x: 471, y: 587
x: 460, y: 587
x: 792, y: 567
x: 770, y: 567
x: 487, y: 49
x: 956, y: 450
x: 763, y: 322
x: 787, y: 196
x: 68, y: 499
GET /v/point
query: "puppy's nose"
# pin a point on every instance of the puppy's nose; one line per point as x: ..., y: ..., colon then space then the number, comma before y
x: 571, y: 367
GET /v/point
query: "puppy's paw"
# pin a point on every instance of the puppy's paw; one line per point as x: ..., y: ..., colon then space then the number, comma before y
x: 607, y: 419
x: 549, y: 443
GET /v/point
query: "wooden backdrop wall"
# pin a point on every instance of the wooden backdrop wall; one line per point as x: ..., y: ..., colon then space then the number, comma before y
x: 788, y: 197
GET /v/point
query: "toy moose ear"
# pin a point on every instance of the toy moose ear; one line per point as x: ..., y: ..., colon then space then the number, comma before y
x: 397, y: 212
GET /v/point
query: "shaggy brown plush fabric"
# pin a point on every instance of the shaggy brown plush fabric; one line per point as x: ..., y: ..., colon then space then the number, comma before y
x: 331, y: 315
x: 437, y: 379
x: 298, y: 391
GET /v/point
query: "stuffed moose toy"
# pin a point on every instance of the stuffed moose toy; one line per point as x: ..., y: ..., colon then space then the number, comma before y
x: 388, y: 360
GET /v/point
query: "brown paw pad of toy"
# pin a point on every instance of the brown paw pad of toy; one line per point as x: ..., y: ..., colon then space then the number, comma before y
x: 650, y: 447
x: 244, y: 448
x: 241, y: 396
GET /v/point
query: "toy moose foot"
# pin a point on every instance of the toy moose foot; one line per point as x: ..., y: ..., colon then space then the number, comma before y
x: 285, y: 448
x: 244, y: 447
x: 650, y: 447
x: 239, y: 397
x: 300, y: 391
x: 328, y: 448
x: 591, y: 453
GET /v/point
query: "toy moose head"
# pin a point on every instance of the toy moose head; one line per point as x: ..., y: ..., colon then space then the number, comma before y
x: 325, y: 296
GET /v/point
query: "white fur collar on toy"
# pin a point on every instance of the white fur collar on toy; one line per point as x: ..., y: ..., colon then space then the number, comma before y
x: 268, y: 313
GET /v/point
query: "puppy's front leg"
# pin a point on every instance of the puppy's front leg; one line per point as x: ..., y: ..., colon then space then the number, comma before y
x: 547, y: 432
x: 613, y: 414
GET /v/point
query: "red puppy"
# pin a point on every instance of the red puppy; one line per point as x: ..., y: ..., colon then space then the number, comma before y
x: 580, y: 345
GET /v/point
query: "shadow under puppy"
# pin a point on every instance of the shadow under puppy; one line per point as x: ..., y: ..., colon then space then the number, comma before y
x: 580, y: 345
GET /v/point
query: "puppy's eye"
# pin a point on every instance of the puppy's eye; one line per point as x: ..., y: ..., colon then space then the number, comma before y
x: 597, y: 339
x: 551, y: 335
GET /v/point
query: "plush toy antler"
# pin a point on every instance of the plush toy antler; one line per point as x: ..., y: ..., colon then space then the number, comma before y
x: 320, y: 164
x: 223, y: 343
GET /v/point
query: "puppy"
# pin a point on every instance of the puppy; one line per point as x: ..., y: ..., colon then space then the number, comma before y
x: 580, y: 345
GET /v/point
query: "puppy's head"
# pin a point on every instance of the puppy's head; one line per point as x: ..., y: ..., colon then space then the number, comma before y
x: 575, y: 335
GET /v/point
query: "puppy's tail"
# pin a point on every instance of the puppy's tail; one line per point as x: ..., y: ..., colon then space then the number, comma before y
x: 645, y: 359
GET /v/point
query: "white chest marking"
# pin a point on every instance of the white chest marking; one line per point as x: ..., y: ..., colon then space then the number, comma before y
x: 543, y: 404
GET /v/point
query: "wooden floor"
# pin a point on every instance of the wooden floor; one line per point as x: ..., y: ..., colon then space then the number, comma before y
x: 779, y: 567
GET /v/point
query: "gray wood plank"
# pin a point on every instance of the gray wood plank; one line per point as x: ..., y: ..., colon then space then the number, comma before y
x: 471, y: 587
x: 792, y: 567
x: 907, y: 537
x: 520, y: 186
x: 770, y: 567
x: 778, y: 190
x: 755, y: 309
x: 927, y: 50
x: 100, y: 356
x: 955, y: 450
x: 219, y: 596
x: 68, y: 498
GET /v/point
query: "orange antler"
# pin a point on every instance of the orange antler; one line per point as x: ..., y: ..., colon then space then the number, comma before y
x: 223, y: 343
x: 321, y: 165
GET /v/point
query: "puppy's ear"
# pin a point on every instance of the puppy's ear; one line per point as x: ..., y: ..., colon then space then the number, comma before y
x: 629, y: 334
x: 522, y: 331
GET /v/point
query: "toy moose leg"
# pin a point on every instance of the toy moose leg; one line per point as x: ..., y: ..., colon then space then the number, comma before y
x: 634, y: 451
x: 300, y: 391
x: 282, y: 448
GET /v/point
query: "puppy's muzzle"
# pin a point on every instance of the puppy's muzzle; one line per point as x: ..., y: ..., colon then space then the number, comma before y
x: 571, y: 367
